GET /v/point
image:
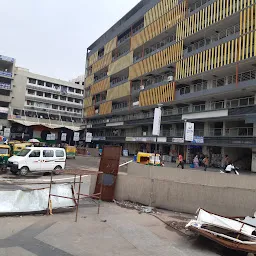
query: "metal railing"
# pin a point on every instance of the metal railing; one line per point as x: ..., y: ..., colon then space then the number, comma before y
x: 239, y: 131
x: 217, y: 105
x: 244, y: 76
x: 184, y: 90
x: 200, y: 86
x: 198, y: 108
x: 183, y: 110
x: 216, y: 132
x: 240, y: 102
x: 197, y: 4
x: 215, y: 37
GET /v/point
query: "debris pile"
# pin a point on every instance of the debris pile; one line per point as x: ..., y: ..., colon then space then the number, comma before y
x: 135, y: 206
x: 233, y: 233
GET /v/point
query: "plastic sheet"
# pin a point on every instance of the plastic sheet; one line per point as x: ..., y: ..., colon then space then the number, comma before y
x: 20, y: 201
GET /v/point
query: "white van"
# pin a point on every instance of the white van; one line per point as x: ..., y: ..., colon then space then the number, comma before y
x: 38, y: 159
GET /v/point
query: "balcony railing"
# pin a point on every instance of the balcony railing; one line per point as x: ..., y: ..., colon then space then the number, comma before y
x: 244, y: 76
x: 239, y: 132
x: 200, y: 86
x: 197, y: 4
x: 198, y: 108
x: 215, y: 37
x: 232, y: 132
x: 5, y: 73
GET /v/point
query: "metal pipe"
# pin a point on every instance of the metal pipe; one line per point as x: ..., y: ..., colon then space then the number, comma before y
x: 49, y: 198
x: 79, y: 187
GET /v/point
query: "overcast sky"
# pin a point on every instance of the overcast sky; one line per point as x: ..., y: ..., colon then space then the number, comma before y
x: 50, y: 37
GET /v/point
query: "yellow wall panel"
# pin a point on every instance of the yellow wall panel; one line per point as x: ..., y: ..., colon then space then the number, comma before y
x: 88, y: 102
x: 110, y: 46
x: 93, y: 58
x: 101, y: 86
x: 160, y: 94
x: 120, y: 64
x: 90, y: 111
x: 89, y: 80
x: 100, y: 64
x: 165, y: 22
x: 118, y: 91
x: 158, y: 10
x: 188, y: 27
x: 105, y: 108
x: 156, y: 61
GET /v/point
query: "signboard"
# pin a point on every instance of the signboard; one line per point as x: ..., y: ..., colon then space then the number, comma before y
x: 198, y: 140
x: 88, y: 137
x: 76, y: 136
x: 63, y: 137
x: 7, y: 132
x: 98, y: 138
x: 189, y: 131
x: 50, y: 136
x: 177, y: 140
x: 157, y: 122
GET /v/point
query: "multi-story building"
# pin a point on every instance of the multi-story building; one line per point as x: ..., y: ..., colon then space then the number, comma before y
x: 195, y: 58
x: 6, y: 78
x: 42, y: 105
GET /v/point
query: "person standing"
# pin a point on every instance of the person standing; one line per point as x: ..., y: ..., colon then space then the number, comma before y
x: 206, y: 163
x: 181, y: 162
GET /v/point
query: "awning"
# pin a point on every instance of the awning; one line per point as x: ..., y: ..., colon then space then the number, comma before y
x: 48, y: 125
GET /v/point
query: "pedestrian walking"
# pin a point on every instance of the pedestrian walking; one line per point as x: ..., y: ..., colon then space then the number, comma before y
x: 196, y: 161
x: 206, y: 163
x: 181, y: 162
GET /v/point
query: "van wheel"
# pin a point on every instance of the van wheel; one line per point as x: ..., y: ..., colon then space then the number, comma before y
x: 57, y: 170
x: 24, y: 171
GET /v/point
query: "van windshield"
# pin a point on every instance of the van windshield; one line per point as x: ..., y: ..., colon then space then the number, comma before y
x: 23, y: 152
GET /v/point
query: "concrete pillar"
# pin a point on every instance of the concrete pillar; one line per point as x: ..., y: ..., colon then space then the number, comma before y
x: 207, y: 105
x: 205, y: 150
x: 209, y: 84
x: 254, y: 129
x: 225, y: 103
x: 192, y: 89
x: 190, y: 108
x: 206, y: 128
x: 253, y: 166
x: 224, y: 128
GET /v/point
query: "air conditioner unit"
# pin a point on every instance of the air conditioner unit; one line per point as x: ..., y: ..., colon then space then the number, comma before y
x: 136, y: 103
x: 107, y: 121
x: 96, y: 111
x: 142, y: 87
x: 170, y: 78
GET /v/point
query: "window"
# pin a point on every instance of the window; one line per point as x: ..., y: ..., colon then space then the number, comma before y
x: 70, y: 99
x: 40, y: 82
x: 62, y: 108
x: 71, y: 89
x: 31, y: 92
x: 63, y: 98
x: 78, y: 91
x: 48, y: 85
x: 23, y: 152
x: 48, y: 153
x: 59, y: 153
x: 35, y: 153
x: 32, y: 81
x: 48, y: 95
x: 56, y: 97
x: 4, y: 151
x: 39, y: 93
x: 54, y: 107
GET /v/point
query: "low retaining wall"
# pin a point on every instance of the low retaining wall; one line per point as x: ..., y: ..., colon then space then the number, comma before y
x: 187, y: 190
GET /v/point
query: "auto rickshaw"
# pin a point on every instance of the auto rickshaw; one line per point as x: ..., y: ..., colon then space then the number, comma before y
x: 11, y: 144
x: 148, y: 158
x: 70, y: 151
x: 18, y: 147
x: 5, y: 153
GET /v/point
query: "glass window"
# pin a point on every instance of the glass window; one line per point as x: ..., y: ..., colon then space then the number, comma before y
x: 48, y: 153
x: 59, y: 153
x: 40, y: 82
x: 35, y: 153
x: 24, y: 152
x: 32, y: 81
x: 4, y: 151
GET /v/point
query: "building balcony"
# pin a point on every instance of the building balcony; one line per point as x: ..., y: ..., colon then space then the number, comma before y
x: 53, y: 90
x: 231, y: 132
x: 6, y: 74
x: 54, y: 101
x: 5, y: 86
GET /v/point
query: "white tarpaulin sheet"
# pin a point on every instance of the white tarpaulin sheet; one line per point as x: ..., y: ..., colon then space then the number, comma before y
x: 205, y: 217
x: 19, y: 201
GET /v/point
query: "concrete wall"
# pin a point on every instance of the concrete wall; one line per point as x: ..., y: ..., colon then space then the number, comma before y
x: 186, y: 191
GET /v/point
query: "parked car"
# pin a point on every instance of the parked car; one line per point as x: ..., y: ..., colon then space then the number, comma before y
x: 38, y: 159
